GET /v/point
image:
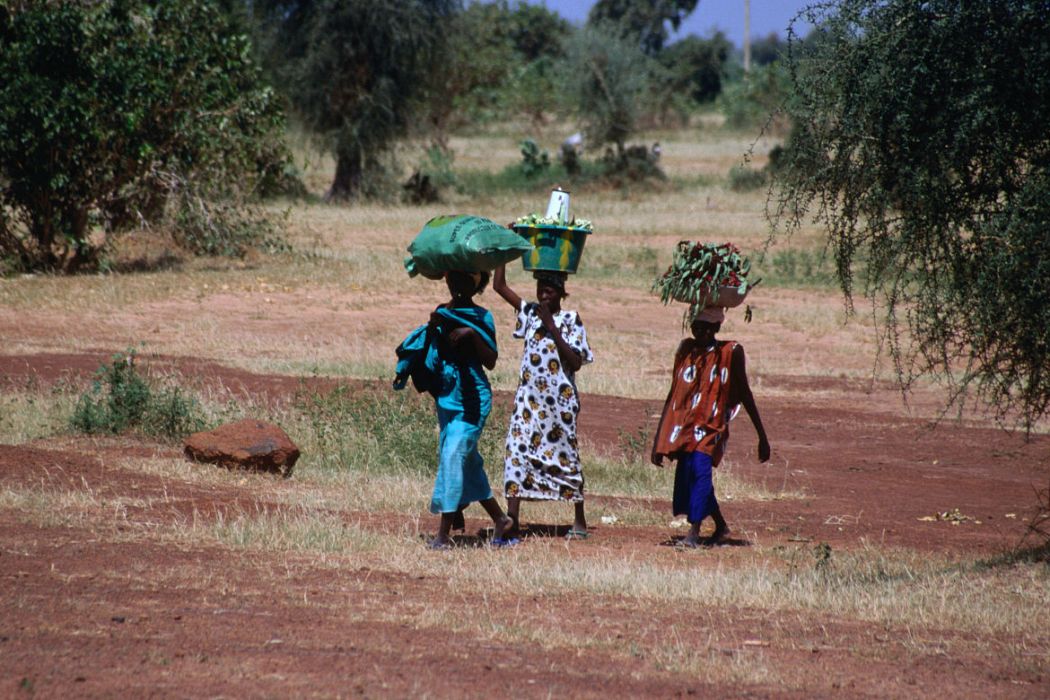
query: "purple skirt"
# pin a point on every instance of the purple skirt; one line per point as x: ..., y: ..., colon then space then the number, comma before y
x: 694, y: 488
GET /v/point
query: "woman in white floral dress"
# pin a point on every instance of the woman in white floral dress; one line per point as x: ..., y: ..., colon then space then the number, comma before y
x: 542, y: 455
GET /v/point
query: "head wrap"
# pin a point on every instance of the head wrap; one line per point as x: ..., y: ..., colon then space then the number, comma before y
x: 551, y: 278
x: 711, y: 314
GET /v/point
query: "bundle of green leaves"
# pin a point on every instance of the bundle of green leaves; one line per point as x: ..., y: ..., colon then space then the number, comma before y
x: 705, y: 274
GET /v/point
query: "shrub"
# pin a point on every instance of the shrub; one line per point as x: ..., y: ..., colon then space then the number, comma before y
x: 120, y: 399
x: 695, y: 66
x: 608, y: 83
x: 112, y: 111
x: 533, y: 161
x: 224, y: 227
x: 633, y: 164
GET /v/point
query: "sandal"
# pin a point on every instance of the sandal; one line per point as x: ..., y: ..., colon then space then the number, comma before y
x: 501, y: 542
x: 436, y: 546
x: 574, y: 534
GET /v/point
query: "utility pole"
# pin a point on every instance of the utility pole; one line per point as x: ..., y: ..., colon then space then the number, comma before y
x: 747, y: 36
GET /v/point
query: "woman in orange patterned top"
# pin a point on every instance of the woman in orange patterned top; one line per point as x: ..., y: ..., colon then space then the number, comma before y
x: 708, y: 387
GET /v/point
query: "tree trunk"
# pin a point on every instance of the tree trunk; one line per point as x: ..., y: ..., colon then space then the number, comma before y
x: 348, y: 174
x: 42, y: 231
x: 79, y: 254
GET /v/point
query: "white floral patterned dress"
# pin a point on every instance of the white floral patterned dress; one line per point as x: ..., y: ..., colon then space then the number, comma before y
x: 542, y: 456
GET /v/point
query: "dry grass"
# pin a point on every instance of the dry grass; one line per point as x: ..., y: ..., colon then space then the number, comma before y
x: 27, y: 415
x: 50, y: 508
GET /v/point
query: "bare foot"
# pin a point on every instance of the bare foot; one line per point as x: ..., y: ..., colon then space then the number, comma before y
x: 515, y: 528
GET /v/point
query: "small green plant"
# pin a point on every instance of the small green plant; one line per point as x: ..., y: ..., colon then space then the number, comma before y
x: 437, y: 165
x: 117, y: 399
x: 120, y: 399
x: 432, y: 176
x: 633, y: 163
x: 172, y: 412
x: 534, y: 162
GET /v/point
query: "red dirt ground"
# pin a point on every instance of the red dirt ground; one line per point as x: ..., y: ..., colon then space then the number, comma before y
x: 98, y: 614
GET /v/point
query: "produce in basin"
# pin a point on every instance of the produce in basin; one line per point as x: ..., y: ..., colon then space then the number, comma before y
x: 557, y: 245
x: 705, y: 274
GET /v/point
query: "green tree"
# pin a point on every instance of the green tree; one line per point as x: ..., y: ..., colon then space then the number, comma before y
x: 756, y: 100
x: 767, y: 49
x: 696, y: 66
x: 111, y: 110
x: 920, y: 142
x: 608, y: 84
x: 356, y: 70
x: 643, y: 21
x: 502, y: 59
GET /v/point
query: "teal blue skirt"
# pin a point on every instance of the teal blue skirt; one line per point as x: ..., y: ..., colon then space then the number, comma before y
x: 463, y: 402
x: 461, y: 478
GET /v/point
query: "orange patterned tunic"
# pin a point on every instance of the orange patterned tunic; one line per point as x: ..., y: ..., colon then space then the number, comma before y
x: 697, y: 414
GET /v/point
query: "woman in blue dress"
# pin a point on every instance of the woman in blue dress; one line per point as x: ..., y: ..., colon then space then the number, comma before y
x: 448, y: 358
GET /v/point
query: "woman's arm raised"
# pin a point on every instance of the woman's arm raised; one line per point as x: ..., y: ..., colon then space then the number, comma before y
x: 499, y: 283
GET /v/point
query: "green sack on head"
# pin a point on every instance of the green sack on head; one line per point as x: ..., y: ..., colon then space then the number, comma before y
x: 462, y: 242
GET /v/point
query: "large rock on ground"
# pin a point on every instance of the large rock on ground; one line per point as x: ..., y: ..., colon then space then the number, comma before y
x: 247, y: 444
